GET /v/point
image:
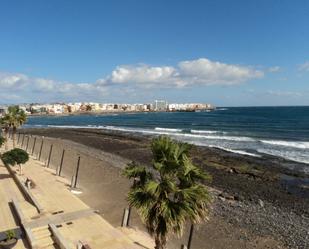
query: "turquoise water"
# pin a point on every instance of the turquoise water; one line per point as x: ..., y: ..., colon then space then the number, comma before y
x: 277, y: 131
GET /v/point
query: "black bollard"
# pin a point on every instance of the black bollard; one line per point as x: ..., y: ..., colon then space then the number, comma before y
x: 27, y: 143
x: 41, y: 148
x: 61, y: 163
x: 33, y: 146
x: 49, y: 156
x: 190, y: 236
x: 77, y: 170
x: 22, y: 143
x: 129, y: 209
x: 18, y: 138
x: 125, y: 217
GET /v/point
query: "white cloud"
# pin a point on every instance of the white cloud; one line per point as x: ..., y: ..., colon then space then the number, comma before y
x: 284, y: 93
x: 8, y: 80
x: 185, y: 74
x: 207, y: 72
x: 304, y: 67
x: 274, y: 69
x: 143, y: 74
x: 44, y: 85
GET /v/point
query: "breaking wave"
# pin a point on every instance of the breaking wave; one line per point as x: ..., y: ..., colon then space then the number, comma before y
x: 205, y: 132
x: 299, y: 145
x: 237, y: 151
x: 167, y: 129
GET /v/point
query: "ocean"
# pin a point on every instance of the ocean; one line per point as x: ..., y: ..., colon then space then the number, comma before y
x: 252, y: 131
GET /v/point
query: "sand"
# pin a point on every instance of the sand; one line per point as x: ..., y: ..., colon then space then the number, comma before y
x: 238, y: 220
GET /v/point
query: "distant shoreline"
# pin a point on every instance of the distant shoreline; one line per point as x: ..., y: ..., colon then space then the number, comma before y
x: 93, y: 113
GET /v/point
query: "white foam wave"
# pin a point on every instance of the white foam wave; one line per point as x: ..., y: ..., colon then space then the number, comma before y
x: 293, y: 156
x: 163, y: 131
x: 236, y: 151
x: 205, y: 132
x: 74, y: 126
x: 176, y: 134
x: 167, y: 129
x: 299, y: 145
x: 213, y: 137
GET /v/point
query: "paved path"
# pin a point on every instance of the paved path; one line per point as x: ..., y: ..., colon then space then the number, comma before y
x: 74, y: 220
x: 8, y: 191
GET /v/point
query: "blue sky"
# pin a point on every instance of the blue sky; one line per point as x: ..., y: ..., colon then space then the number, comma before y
x: 229, y: 53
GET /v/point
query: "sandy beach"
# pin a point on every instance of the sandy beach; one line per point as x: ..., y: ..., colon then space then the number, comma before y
x: 257, y: 202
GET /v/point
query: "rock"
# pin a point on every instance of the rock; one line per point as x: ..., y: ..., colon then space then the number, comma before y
x: 231, y: 171
x: 239, y: 198
x: 261, y: 203
x: 221, y: 198
x: 227, y: 196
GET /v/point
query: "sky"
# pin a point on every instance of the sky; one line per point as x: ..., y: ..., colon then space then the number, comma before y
x: 228, y: 53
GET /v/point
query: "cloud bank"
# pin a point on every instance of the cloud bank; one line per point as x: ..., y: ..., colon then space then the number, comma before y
x: 187, y: 73
x: 190, y: 73
x: 304, y: 67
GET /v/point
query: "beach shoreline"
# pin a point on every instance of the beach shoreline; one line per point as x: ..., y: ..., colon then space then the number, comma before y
x: 242, y: 184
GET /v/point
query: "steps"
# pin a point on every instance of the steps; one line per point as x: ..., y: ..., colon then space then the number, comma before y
x: 43, y: 238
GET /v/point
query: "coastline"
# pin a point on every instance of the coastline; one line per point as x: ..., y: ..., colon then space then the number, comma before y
x: 250, y: 193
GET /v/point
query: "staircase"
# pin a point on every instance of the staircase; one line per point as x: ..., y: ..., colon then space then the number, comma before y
x: 43, y: 238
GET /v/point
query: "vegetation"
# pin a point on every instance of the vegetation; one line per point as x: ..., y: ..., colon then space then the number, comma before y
x: 14, y: 118
x: 10, y: 234
x: 5, y: 130
x: 171, y: 192
x: 2, y: 141
x: 15, y: 156
x: 88, y: 108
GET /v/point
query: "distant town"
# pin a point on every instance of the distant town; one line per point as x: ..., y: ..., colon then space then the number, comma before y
x: 91, y: 107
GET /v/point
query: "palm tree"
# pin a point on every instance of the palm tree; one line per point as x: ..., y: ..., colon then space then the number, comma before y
x: 2, y: 141
x: 169, y: 193
x: 15, y: 117
x: 5, y: 130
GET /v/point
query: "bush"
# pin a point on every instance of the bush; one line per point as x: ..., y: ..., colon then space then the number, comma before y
x: 15, y: 156
x: 2, y: 141
x: 10, y: 235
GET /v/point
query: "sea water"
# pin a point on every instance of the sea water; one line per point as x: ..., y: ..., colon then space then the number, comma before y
x: 252, y: 131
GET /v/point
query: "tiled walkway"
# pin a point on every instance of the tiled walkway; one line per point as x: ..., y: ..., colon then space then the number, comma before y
x: 9, y: 190
x: 75, y: 221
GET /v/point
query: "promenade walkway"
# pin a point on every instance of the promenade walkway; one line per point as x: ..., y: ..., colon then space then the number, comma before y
x: 56, y: 218
x: 8, y: 191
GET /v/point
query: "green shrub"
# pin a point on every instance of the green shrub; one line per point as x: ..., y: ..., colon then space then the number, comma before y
x: 10, y: 235
x: 2, y: 141
x: 15, y: 156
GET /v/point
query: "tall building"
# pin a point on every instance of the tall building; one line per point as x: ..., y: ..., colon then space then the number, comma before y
x: 160, y: 105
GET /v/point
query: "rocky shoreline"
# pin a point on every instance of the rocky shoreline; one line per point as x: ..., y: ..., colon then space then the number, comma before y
x: 258, y: 202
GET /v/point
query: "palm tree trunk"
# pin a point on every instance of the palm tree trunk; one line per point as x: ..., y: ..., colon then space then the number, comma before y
x: 14, y: 136
x: 160, y: 242
x: 6, y: 131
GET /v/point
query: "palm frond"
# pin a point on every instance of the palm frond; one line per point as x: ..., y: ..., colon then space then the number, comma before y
x: 172, y: 192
